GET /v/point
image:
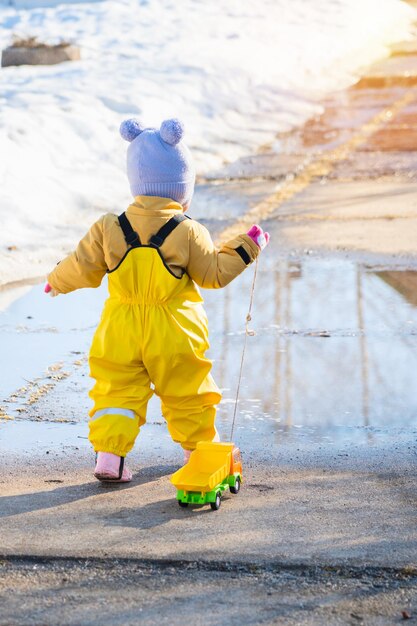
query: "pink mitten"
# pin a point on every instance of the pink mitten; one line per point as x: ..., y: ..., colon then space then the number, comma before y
x: 258, y: 236
x: 52, y: 292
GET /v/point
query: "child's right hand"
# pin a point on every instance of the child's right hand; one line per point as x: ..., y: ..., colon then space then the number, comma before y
x: 258, y: 236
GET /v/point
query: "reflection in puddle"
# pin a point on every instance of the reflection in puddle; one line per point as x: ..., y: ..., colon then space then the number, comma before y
x: 404, y: 282
x: 333, y: 360
x: 334, y: 357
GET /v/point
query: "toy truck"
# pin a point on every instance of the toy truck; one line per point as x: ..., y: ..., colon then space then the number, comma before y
x: 212, y: 468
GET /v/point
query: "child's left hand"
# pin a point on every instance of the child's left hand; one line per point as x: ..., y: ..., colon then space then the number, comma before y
x: 258, y: 236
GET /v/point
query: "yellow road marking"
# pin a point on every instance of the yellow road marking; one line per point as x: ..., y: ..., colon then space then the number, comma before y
x: 320, y: 167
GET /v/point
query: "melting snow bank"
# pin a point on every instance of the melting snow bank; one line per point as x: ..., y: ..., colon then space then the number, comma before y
x: 236, y: 73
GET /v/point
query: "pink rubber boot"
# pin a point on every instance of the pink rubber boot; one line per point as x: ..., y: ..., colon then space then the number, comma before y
x: 187, y: 453
x: 110, y: 467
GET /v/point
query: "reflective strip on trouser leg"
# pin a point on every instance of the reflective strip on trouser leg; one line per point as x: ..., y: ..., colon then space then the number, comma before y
x: 113, y: 430
x: 126, y: 412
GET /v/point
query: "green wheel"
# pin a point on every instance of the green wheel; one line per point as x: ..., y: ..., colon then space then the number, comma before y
x: 216, y: 504
x: 183, y: 505
x: 236, y: 487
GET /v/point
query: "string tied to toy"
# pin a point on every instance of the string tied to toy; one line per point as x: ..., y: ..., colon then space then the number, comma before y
x: 248, y: 333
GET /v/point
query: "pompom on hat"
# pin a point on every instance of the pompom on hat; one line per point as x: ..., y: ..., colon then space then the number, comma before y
x: 158, y: 162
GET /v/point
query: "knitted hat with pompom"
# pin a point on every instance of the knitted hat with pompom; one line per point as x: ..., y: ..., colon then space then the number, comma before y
x: 158, y: 162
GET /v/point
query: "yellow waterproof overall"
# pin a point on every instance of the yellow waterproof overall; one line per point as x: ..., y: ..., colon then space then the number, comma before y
x: 153, y: 330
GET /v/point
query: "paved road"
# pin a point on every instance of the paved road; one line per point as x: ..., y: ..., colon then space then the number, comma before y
x: 324, y: 530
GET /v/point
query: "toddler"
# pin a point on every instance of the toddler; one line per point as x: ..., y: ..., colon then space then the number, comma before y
x: 153, y: 334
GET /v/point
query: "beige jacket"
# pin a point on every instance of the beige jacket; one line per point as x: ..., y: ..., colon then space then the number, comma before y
x: 188, y: 247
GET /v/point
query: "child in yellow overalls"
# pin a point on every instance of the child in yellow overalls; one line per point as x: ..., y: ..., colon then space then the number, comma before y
x: 153, y: 329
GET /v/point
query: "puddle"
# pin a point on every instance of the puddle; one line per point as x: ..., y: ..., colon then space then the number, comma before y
x: 333, y: 360
x: 25, y: 436
x: 48, y: 440
x: 37, y: 331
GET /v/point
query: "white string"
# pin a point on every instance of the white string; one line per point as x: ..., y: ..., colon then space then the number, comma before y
x: 248, y: 333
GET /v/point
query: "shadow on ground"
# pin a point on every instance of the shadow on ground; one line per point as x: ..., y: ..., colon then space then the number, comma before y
x: 41, y: 500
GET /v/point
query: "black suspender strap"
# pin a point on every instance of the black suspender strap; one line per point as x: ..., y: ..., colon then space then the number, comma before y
x: 131, y: 236
x: 157, y: 240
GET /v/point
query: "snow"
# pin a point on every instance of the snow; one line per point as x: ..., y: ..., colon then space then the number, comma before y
x: 236, y: 72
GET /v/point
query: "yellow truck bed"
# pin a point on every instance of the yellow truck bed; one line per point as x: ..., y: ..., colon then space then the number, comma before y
x: 208, y: 466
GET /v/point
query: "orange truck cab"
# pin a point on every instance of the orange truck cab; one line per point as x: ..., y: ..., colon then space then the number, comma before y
x: 236, y: 462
